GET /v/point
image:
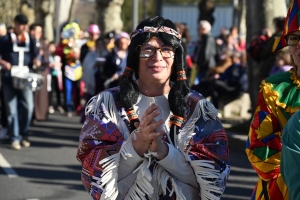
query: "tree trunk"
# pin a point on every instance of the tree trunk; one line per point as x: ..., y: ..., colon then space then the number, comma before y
x: 63, y: 11
x: 242, y: 17
x: 259, y: 15
x: 71, y: 11
x: 109, y: 15
x: 8, y: 10
x: 48, y: 10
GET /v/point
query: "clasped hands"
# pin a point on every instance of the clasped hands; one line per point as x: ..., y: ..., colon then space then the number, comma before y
x: 147, y: 137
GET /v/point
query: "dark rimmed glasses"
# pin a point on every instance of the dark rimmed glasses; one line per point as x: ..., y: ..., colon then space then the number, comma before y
x: 146, y: 51
x: 292, y: 40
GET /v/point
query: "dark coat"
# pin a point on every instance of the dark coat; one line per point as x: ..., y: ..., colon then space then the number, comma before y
x: 205, y: 54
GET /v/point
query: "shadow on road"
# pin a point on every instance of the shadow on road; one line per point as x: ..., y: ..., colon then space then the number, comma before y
x: 242, y: 178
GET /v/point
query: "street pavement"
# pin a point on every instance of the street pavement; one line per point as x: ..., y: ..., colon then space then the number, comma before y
x: 48, y: 170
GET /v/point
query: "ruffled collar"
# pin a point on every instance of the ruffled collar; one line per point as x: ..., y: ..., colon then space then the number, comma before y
x: 284, y: 89
x: 294, y: 78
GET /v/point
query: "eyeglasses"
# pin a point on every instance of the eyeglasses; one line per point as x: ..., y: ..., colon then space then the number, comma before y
x: 292, y: 40
x: 146, y: 51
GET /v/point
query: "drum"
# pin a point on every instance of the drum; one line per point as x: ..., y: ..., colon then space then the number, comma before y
x: 28, y: 81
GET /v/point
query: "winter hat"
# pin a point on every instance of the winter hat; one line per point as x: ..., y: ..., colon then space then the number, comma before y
x: 94, y: 28
x: 122, y: 35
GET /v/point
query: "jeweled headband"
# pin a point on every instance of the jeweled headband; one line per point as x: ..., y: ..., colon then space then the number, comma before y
x: 150, y: 29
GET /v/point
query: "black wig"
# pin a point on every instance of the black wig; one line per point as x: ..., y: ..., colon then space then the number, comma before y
x: 129, y: 91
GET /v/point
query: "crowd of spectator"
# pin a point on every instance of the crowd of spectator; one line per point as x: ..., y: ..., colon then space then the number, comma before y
x: 82, y: 64
x: 86, y: 62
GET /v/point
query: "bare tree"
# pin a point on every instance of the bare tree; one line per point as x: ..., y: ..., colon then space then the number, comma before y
x: 8, y: 10
x: 48, y: 10
x: 72, y: 9
x: 109, y: 15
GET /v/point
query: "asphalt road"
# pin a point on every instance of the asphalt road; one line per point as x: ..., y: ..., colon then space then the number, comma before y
x: 48, y: 170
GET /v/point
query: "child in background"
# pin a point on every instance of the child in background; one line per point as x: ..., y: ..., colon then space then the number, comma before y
x: 282, y: 63
x: 56, y: 79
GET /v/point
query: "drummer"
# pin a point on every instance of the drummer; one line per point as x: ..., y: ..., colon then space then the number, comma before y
x: 18, y: 53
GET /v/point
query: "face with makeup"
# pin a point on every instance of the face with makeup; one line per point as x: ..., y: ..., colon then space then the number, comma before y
x: 293, y: 41
x: 156, y: 61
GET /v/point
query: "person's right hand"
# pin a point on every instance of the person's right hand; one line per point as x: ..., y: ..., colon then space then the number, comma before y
x: 5, y: 65
x: 143, y: 138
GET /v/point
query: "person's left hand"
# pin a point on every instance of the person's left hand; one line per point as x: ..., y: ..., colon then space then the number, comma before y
x: 155, y: 137
x: 160, y: 147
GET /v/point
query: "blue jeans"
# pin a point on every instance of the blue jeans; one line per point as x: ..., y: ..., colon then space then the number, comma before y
x: 19, y: 109
x: 72, y: 94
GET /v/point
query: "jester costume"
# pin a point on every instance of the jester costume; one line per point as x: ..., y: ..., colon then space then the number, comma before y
x: 278, y: 100
x: 196, y: 167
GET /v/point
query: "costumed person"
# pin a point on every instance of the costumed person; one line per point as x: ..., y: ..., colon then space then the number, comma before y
x: 18, y: 53
x: 72, y: 69
x: 151, y: 137
x: 290, y: 156
x: 278, y: 100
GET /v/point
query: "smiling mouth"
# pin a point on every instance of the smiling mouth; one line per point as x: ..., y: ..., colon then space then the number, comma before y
x: 157, y: 67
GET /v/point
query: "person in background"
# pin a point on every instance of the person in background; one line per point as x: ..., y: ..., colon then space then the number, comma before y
x: 18, y: 103
x: 205, y: 51
x: 225, y: 61
x: 234, y: 32
x: 3, y: 30
x: 150, y: 138
x: 115, y: 62
x: 90, y: 45
x: 56, y: 79
x: 241, y: 45
x: 10, y: 29
x: 41, y: 103
x: 267, y: 57
x: 232, y: 83
x: 282, y: 63
x: 278, y: 100
x: 231, y: 44
x: 183, y: 30
x: 221, y: 43
x: 82, y: 38
x: 290, y: 153
x: 3, y: 130
x: 222, y: 36
x: 109, y: 41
